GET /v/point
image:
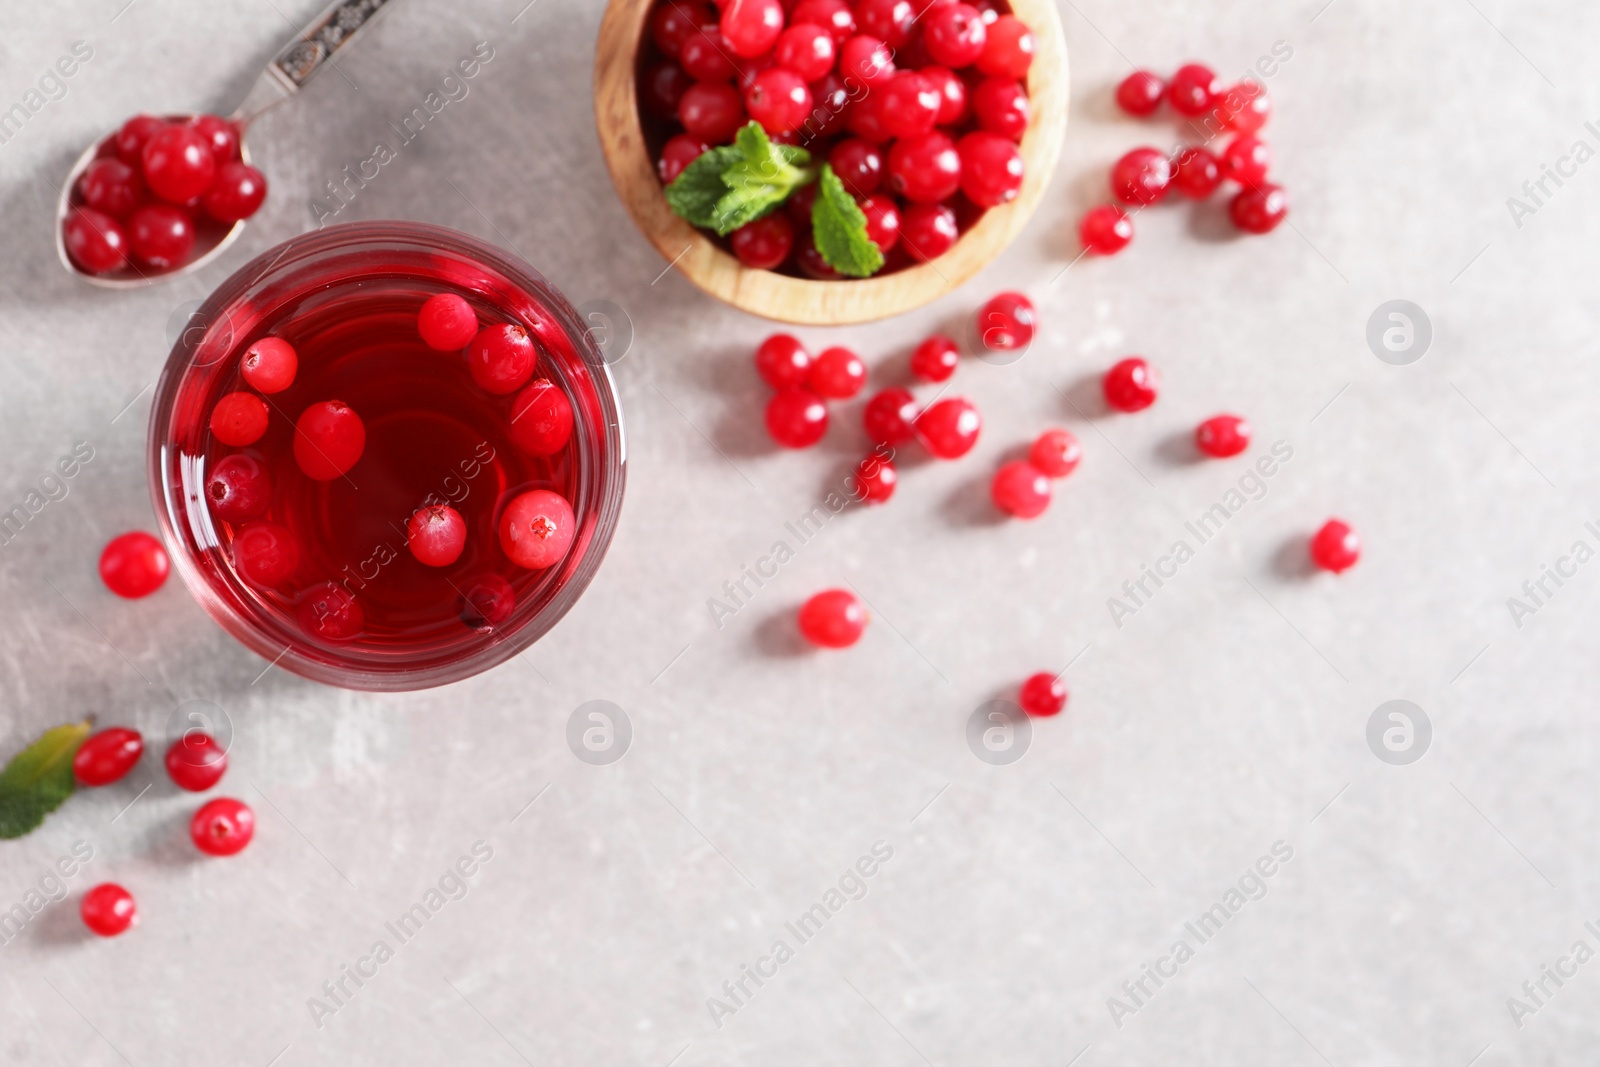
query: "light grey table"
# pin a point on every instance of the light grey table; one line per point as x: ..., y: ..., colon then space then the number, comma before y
x: 1227, y: 715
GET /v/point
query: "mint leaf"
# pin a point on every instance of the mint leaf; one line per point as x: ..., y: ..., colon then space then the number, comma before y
x: 38, y: 779
x: 693, y: 195
x: 763, y: 177
x: 840, y: 229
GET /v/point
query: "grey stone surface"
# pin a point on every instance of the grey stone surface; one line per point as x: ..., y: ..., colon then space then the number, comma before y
x: 1229, y: 713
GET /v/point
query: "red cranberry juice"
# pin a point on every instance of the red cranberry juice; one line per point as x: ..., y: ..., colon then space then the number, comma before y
x: 432, y: 437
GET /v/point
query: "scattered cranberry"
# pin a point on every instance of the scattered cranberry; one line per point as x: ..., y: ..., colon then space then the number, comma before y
x: 764, y: 244
x: 222, y: 827
x: 954, y: 35
x: 1222, y: 436
x: 1021, y: 489
x: 833, y: 619
x: 867, y: 60
x: 236, y: 193
x: 1196, y: 172
x: 196, y: 761
x: 134, y: 565
x: 779, y: 99
x: 1244, y: 108
x: 952, y: 94
x: 835, y: 16
x: 1193, y: 90
x: 160, y: 236
x: 1008, y: 51
x: 1042, y: 695
x: 1259, y: 210
x: 837, y: 374
x: 222, y: 137
x: 107, y: 756
x: 1141, y: 177
x: 1056, y: 452
x: 1246, y: 160
x: 265, y: 554
x: 501, y: 357
x: 436, y: 535
x: 1001, y: 106
x: 330, y: 612
x: 239, y: 488
x: 782, y: 361
x: 883, y: 221
x: 807, y: 49
x: 108, y: 909
x: 131, y: 138
x: 796, y: 418
x: 910, y: 104
x: 96, y: 242
x: 991, y: 168
x: 239, y: 419
x: 541, y: 419
x: 112, y: 187
x: 751, y: 27
x: 1105, y: 230
x: 935, y: 359
x: 328, y: 440
x: 876, y: 476
x: 711, y: 111
x: 928, y: 231
x: 487, y: 601
x: 178, y: 164
x: 1007, y: 322
x: 447, y: 322
x: 672, y: 23
x: 537, y: 529
x: 1131, y: 385
x: 1140, y: 93
x: 1336, y: 547
x: 949, y: 428
x: 889, y: 415
x: 269, y: 365
x: 677, y: 154
x: 662, y: 87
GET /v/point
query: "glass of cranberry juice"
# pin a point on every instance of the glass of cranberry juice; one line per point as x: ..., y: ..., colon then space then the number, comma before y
x: 321, y: 581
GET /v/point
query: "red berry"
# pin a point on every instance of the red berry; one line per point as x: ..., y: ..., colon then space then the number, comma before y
x: 541, y: 419
x: 889, y: 415
x: 239, y: 419
x: 836, y: 374
x: 712, y: 111
x: 239, y: 488
x: 705, y: 58
x: 486, y: 602
x: 928, y: 231
x: 677, y: 154
x: 269, y: 365
x: 236, y: 193
x: 779, y: 99
x: 178, y: 164
x: 925, y: 169
x: 537, y: 529
x: 991, y: 169
x: 329, y: 612
x: 222, y: 137
x: 935, y: 359
x: 673, y: 21
x: 765, y: 243
x: 876, y: 478
x: 1105, y: 230
x: 1140, y: 93
x: 1244, y: 108
x: 892, y: 21
x: 835, y: 16
x: 751, y: 27
x: 1259, y: 210
x: 954, y: 35
x: 134, y: 565
x: 112, y: 187
x: 830, y: 111
x: 1042, y: 695
x: 1141, y: 176
x: 1021, y: 489
x: 132, y: 136
x: 796, y: 418
x: 909, y: 105
x: 1336, y: 547
x: 1246, y: 160
x: 96, y: 242
x: 807, y: 49
x: 833, y: 619
x: 108, y: 909
x: 1007, y: 322
x: 160, y: 236
x: 265, y: 554
x: 1222, y: 436
x: 867, y: 60
x: 1008, y: 49
x: 501, y: 357
x: 883, y: 221
x: 660, y: 89
x: 1001, y: 105
x: 1196, y: 173
x: 436, y: 535
x: 952, y: 94
x: 196, y: 762
x: 1131, y: 385
x: 949, y: 428
x: 447, y: 322
x: 1193, y: 90
x: 859, y: 165
x: 866, y: 120
x: 782, y: 361
x: 107, y: 756
x: 329, y: 438
x: 811, y: 263
x: 222, y: 827
x: 1056, y: 452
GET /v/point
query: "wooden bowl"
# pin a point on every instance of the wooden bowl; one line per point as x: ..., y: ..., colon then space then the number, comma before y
x: 800, y: 300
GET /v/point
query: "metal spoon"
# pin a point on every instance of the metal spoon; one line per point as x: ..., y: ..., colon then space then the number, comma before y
x: 312, y: 50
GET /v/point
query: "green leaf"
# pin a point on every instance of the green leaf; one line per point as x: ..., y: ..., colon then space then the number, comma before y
x: 840, y: 229
x: 764, y: 177
x: 693, y: 195
x: 38, y: 779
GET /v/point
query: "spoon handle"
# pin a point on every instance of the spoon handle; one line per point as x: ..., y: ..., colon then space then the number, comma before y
x: 312, y: 50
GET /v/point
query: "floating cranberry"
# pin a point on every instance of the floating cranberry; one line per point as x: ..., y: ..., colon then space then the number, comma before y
x: 883, y: 221
x: 1141, y: 177
x: 779, y: 99
x: 859, y: 165
x: 177, y: 163
x: 239, y: 488
x: 836, y: 374
x: 751, y: 27
x: 952, y: 94
x: 96, y: 242
x: 265, y: 554
x: 1021, y: 489
x: 671, y: 23
x: 1222, y: 436
x: 1246, y: 160
x: 935, y: 359
x: 910, y: 105
x: 329, y: 438
x: 807, y: 49
x: 196, y: 761
x: 107, y: 756
x: 160, y: 236
x: 705, y: 58
x: 112, y: 187
x: 660, y: 89
x: 1140, y: 93
x: 1244, y: 108
x: 954, y: 35
x: 868, y: 60
x: 222, y: 827
x: 1196, y: 172
x: 765, y: 243
x: 537, y: 529
x: 134, y: 565
x: 108, y: 909
x: 447, y: 322
x: 1131, y: 385
x: 676, y: 155
x: 1001, y: 105
x: 991, y: 168
x: 782, y: 361
x: 436, y: 535
x: 236, y: 193
x: 1042, y: 695
x: 1259, y: 210
x: 928, y: 231
x: 1056, y: 452
x: 541, y: 419
x: 239, y: 419
x: 486, y: 602
x: 833, y: 619
x: 949, y: 428
x: 269, y: 365
x: 1193, y: 90
x: 796, y: 418
x: 501, y: 357
x: 222, y: 137
x: 876, y: 478
x: 1008, y: 48
x: 711, y: 111
x: 889, y: 415
x: 1105, y: 230
x: 131, y: 138
x: 835, y: 16
x: 1007, y: 322
x: 925, y: 169
x: 1336, y: 547
x: 330, y: 612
